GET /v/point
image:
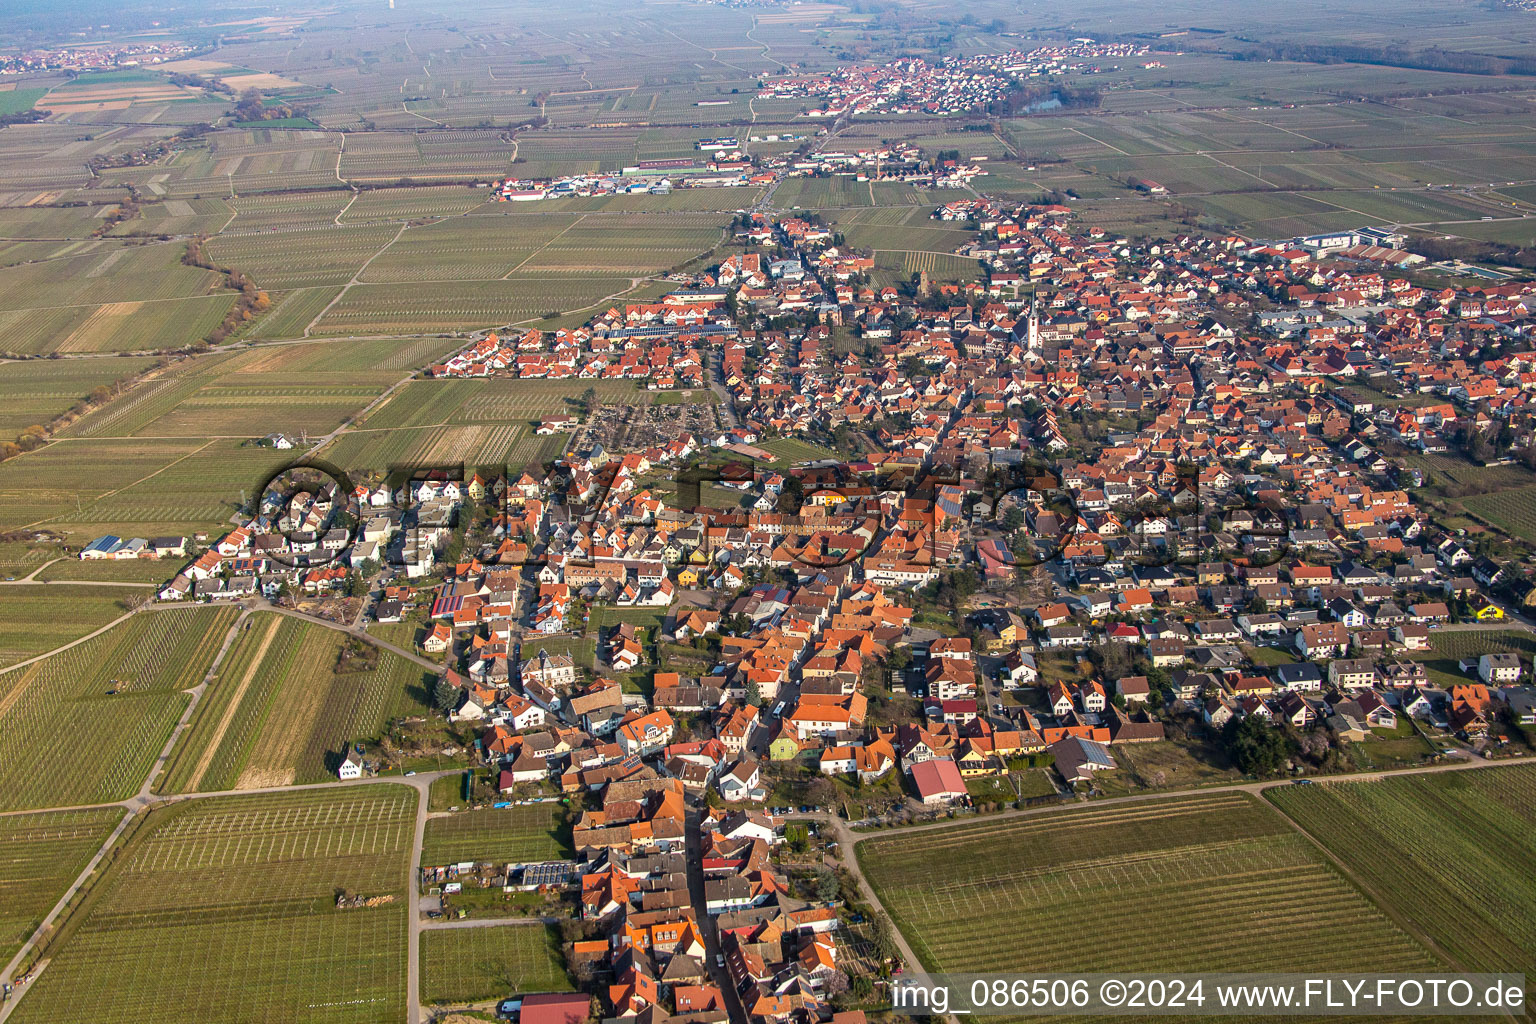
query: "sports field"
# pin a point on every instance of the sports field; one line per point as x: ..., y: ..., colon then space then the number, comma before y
x: 280, y: 712
x: 226, y: 910
x: 1217, y: 883
x: 466, y: 965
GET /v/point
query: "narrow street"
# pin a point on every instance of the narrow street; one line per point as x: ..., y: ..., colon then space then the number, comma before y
x: 711, y: 935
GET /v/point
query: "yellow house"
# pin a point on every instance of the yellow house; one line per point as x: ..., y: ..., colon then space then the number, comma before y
x: 688, y: 576
x: 1489, y: 613
x: 973, y: 763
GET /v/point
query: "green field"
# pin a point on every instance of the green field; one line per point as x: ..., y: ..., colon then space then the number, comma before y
x: 40, y: 855
x: 226, y: 910
x: 1214, y: 883
x: 145, y: 571
x: 1450, y: 852
x: 512, y: 835
x: 791, y: 450
x: 279, y: 712
x: 467, y: 965
x: 36, y: 619
x: 36, y: 391
x: 147, y: 661
x: 15, y: 101
x: 1448, y: 648
x: 1513, y: 511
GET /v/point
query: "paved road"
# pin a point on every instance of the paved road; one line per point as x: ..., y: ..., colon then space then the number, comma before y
x: 692, y: 850
x: 423, y: 785
x: 727, y: 404
x: 487, y: 922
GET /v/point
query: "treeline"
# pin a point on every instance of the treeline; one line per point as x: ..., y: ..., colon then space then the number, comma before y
x: 1432, y: 58
x: 201, y: 82
x: 149, y: 154
x: 252, y: 302
x: 252, y: 107
x: 1022, y: 98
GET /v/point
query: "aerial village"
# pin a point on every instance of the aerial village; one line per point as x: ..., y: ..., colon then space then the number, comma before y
x: 966, y: 545
x: 951, y: 86
x: 969, y: 85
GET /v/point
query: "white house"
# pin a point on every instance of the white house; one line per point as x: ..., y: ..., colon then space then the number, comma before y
x: 741, y: 782
x: 351, y: 767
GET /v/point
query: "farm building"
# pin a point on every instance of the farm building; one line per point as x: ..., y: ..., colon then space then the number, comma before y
x: 938, y: 781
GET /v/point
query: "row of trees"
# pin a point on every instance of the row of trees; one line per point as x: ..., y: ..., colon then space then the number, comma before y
x: 252, y: 302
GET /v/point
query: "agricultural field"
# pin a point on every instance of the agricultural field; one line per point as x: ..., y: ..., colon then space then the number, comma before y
x: 304, y: 257
x: 59, y: 224
x: 145, y: 571
x: 135, y: 325
x: 441, y: 402
x: 899, y: 228
x: 374, y: 309
x: 86, y: 487
x: 1449, y: 647
x: 465, y: 249
x: 176, y: 217
x: 226, y: 910
x: 145, y: 274
x: 1480, y: 479
x: 35, y: 619
x: 37, y: 390
x: 293, y: 389
x: 1216, y: 883
x: 40, y: 855
x: 506, y: 446
x: 286, y: 211
x: 412, y: 203
x: 425, y: 157
x: 1448, y: 852
x: 19, y: 557
x: 1513, y: 510
x: 127, y: 683
x: 524, y: 834
x: 284, y: 707
x: 792, y: 450
x: 468, y: 965
x: 901, y: 267
x: 250, y: 160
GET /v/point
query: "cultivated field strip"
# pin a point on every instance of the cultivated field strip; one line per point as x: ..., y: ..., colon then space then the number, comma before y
x: 1452, y: 851
x: 1110, y: 889
x: 225, y: 910
x: 511, y: 835
x: 40, y: 854
x: 472, y: 964
x: 145, y: 663
x: 294, y: 716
